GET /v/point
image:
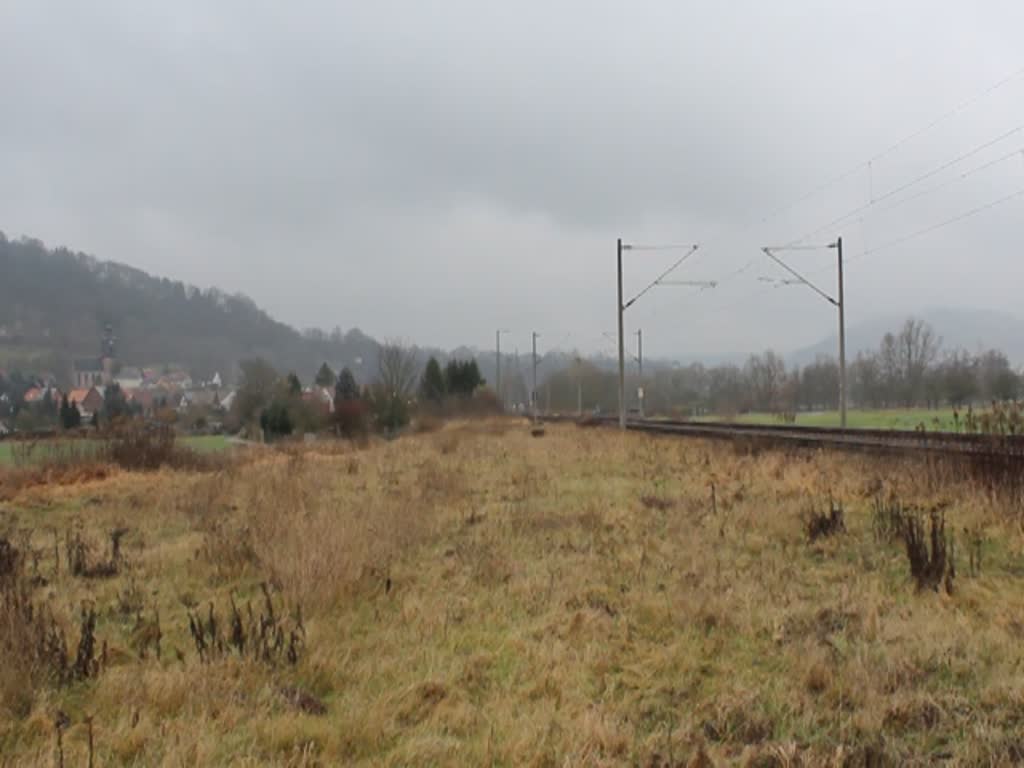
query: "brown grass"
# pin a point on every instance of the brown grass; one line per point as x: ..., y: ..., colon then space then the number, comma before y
x: 475, y: 596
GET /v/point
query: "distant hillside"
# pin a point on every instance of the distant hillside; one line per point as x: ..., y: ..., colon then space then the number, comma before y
x: 967, y: 328
x: 54, y: 304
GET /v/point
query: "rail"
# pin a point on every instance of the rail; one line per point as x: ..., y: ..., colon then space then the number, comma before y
x: 853, y: 439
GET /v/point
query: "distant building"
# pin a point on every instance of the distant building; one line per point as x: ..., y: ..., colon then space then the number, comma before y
x: 86, y: 372
x: 146, y: 399
x: 199, y: 398
x: 88, y: 400
x: 321, y: 397
x: 95, y: 371
x: 35, y: 395
x: 227, y: 400
x: 129, y: 378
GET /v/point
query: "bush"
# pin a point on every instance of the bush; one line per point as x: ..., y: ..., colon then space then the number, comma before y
x: 930, y: 551
x: 351, y: 418
x: 275, y: 421
x: 32, y: 642
x: 136, y: 446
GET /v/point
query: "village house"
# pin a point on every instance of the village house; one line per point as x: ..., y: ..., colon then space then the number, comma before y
x: 206, y: 399
x: 227, y: 400
x: 145, y: 399
x: 89, y: 401
x: 321, y: 397
x: 129, y: 378
x: 35, y: 395
x: 87, y: 372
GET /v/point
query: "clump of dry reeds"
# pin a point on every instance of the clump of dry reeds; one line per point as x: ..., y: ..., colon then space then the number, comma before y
x: 267, y: 637
x: 888, y: 519
x: 33, y: 644
x: 821, y: 524
x: 78, y: 554
x: 930, y: 551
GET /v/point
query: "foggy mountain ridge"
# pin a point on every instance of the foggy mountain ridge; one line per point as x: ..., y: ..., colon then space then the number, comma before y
x: 55, y: 301
x: 970, y: 329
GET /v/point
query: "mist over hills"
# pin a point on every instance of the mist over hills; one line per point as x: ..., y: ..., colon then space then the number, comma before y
x: 54, y: 304
x: 970, y: 329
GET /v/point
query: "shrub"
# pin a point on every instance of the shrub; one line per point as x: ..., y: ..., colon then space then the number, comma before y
x: 823, y: 524
x: 266, y: 637
x: 32, y: 643
x: 139, y: 447
x: 931, y: 555
x: 351, y: 418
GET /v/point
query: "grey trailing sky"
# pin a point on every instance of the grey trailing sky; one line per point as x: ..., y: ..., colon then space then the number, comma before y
x: 434, y: 170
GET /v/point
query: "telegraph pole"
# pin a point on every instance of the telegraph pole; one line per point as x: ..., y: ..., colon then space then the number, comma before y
x: 640, y: 351
x: 622, y: 346
x: 533, y: 393
x: 839, y: 302
x: 640, y: 369
x: 621, y: 307
x: 842, y: 339
x: 497, y: 354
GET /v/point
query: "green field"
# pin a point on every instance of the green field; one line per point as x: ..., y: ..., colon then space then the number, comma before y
x: 934, y: 420
x: 203, y: 444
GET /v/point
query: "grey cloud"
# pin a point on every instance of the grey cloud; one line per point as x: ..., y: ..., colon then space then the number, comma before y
x: 432, y: 170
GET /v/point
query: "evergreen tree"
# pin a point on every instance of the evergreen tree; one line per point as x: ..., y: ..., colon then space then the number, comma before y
x: 276, y: 421
x: 68, y: 413
x: 462, y: 377
x: 432, y: 384
x: 74, y: 416
x: 115, y: 403
x: 346, y: 388
x: 293, y: 384
x: 325, y: 377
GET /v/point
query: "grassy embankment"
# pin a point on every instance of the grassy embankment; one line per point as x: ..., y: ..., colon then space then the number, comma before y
x: 477, y: 596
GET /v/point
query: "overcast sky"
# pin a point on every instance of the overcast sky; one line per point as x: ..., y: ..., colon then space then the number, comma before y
x: 435, y: 170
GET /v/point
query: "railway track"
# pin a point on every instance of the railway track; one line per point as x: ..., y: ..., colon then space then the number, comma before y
x: 874, y: 440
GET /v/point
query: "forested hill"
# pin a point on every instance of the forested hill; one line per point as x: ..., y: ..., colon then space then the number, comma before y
x: 54, y: 304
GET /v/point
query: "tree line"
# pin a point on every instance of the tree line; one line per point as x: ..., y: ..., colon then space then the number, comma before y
x: 909, y: 368
x: 281, y: 405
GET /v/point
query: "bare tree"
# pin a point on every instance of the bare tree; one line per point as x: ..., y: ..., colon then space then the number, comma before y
x: 868, y: 381
x: 397, y: 369
x: 766, y: 374
x: 918, y: 347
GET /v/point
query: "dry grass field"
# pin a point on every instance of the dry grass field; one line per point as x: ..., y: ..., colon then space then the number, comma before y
x: 479, y: 596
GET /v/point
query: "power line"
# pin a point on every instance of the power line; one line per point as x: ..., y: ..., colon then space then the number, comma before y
x: 884, y: 246
x: 951, y: 113
x: 798, y: 276
x: 905, y: 140
x: 869, y: 163
x: 941, y: 224
x: 951, y: 181
x: 902, y: 188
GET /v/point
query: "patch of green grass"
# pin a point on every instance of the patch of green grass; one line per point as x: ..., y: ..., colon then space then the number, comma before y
x: 934, y: 420
x: 206, y: 443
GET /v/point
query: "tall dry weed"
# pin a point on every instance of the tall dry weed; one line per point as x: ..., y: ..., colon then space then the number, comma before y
x: 295, y: 523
